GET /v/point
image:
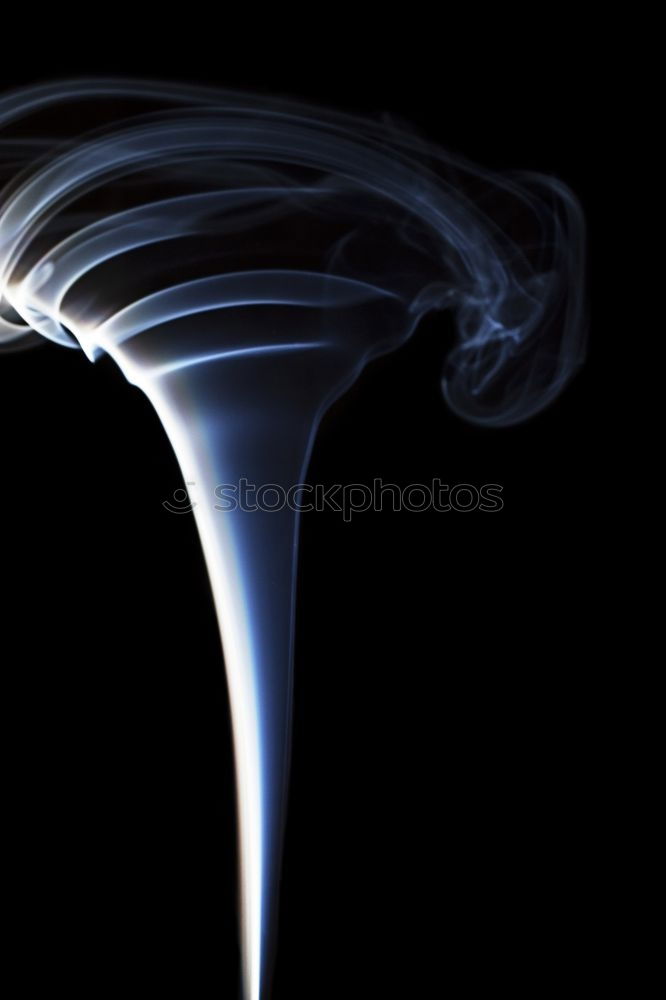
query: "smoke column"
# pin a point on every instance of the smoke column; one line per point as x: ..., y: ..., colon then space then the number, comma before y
x: 241, y: 258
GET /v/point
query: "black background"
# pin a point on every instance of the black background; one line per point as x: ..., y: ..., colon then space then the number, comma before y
x: 440, y: 835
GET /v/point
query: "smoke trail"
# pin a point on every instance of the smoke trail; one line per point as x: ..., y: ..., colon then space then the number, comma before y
x: 241, y: 259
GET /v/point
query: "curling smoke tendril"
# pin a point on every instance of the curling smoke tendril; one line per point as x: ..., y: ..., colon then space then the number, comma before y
x: 242, y: 258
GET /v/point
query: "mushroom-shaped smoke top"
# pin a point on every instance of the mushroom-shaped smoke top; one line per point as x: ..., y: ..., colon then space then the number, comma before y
x: 164, y: 183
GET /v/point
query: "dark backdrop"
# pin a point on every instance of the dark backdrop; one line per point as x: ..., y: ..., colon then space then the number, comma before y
x: 440, y: 827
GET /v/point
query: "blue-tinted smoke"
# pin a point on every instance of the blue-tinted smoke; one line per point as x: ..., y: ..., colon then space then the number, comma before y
x: 241, y: 259
x: 505, y: 253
